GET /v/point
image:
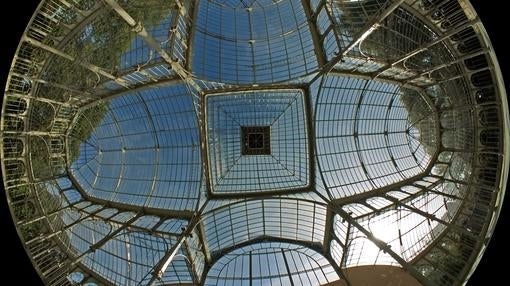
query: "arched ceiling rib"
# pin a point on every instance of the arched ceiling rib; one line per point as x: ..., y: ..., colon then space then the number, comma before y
x: 163, y: 143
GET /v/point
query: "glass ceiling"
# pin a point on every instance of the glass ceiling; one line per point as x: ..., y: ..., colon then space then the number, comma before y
x: 144, y: 151
x: 287, y: 165
x: 254, y: 142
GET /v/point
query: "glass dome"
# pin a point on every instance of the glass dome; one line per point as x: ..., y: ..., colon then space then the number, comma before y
x: 255, y: 142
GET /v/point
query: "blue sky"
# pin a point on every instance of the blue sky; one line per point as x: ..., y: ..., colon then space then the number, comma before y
x: 146, y: 151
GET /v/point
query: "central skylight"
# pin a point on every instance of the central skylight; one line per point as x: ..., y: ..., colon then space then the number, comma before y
x: 270, y: 124
x: 256, y: 140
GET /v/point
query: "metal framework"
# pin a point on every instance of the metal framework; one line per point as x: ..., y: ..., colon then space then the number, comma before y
x: 385, y: 141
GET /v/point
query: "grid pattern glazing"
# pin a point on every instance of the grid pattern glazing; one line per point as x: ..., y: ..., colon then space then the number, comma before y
x: 370, y: 134
x: 286, y: 167
x: 122, y: 135
x: 250, y: 43
x: 145, y: 150
x: 290, y: 219
x: 275, y: 264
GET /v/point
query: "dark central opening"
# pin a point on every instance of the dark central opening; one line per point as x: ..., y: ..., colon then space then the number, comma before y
x: 255, y: 140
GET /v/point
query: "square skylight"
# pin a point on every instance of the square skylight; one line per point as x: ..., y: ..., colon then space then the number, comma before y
x: 257, y: 141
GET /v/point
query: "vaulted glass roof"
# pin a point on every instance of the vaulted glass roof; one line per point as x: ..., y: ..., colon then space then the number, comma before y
x: 287, y: 164
x: 254, y: 142
x: 143, y: 150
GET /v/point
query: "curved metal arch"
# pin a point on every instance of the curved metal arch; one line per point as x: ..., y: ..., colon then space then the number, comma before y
x: 226, y: 209
x: 386, y: 139
x: 317, y: 247
x: 499, y: 193
x: 359, y: 102
x: 156, y: 141
x: 355, y: 134
x: 260, y: 198
x: 314, y: 119
x: 118, y: 235
x: 129, y: 207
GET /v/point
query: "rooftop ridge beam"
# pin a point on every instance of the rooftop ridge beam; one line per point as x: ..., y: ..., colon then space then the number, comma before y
x: 93, y: 68
x: 57, y: 85
x: 425, y: 47
x: 285, y: 262
x: 127, y: 207
x: 203, y: 241
x: 107, y: 238
x: 110, y: 96
x: 423, y: 190
x: 444, y: 65
x: 66, y: 227
x: 192, y: 13
x: 314, y: 32
x: 369, y: 28
x: 329, y: 235
x: 448, y: 228
x: 367, y: 76
x: 40, y: 99
x: 408, y: 267
x: 47, y: 214
x: 465, y: 75
x: 160, y: 267
x: 153, y: 230
x: 31, y: 133
x: 191, y: 264
x: 379, y: 191
x: 140, y: 30
x: 429, y: 216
